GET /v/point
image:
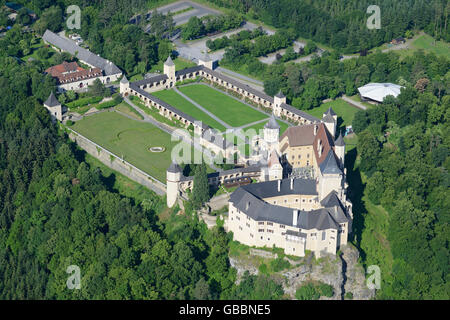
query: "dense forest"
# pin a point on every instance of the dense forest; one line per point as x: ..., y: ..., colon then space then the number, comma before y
x: 56, y: 210
x: 342, y: 24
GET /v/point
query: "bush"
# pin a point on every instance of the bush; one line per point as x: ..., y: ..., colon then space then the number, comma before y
x: 325, y: 290
x: 348, y: 296
x: 279, y: 264
x: 263, y: 268
x: 69, y: 123
x: 84, y: 102
x: 107, y: 104
x: 307, y: 292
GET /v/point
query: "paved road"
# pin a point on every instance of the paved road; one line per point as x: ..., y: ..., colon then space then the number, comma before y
x: 187, y: 138
x: 354, y: 103
x: 256, y: 84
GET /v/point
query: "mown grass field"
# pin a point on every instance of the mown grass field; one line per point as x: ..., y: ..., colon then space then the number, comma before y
x: 174, y: 99
x: 231, y: 111
x: 130, y: 139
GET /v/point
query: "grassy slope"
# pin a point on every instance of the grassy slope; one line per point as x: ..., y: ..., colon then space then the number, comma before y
x: 345, y: 111
x: 226, y: 108
x: 127, y: 109
x: 174, y: 99
x: 131, y: 139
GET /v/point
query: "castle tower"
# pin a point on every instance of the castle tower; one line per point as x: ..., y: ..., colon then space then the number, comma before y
x: 169, y: 69
x: 330, y: 120
x: 206, y: 61
x: 330, y: 123
x: 272, y: 134
x: 124, y: 85
x: 330, y: 177
x: 278, y: 99
x: 54, y: 107
x: 339, y: 149
x: 274, y: 167
x: 173, y: 179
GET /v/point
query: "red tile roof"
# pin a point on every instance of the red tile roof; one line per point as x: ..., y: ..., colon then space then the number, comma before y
x: 68, y: 72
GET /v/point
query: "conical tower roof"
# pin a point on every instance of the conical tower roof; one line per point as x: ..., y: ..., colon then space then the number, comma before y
x: 272, y: 123
x: 52, y: 101
x: 339, y: 141
x: 330, y: 111
x: 329, y: 165
x: 328, y: 118
x: 124, y: 80
x: 174, y: 167
x: 169, y: 61
x: 280, y: 95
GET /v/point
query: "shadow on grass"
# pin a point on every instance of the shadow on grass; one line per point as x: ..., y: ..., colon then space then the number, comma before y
x: 356, y: 191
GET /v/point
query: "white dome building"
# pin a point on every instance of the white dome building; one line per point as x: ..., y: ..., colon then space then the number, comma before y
x: 378, y: 91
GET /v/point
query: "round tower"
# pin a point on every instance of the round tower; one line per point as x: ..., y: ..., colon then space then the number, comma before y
x: 54, y: 107
x: 124, y: 85
x: 169, y: 69
x: 272, y: 134
x: 278, y: 100
x: 330, y: 120
x: 339, y: 149
x: 172, y: 181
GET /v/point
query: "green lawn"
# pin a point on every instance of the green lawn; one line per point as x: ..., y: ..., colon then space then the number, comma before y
x: 180, y: 64
x: 130, y: 139
x: 231, y: 111
x: 345, y: 111
x: 127, y: 109
x: 426, y: 43
x: 174, y: 99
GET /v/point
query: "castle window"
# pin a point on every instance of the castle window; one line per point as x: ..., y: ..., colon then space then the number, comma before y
x: 269, y: 223
x: 282, y: 226
x: 260, y: 230
x: 261, y: 223
x: 323, y: 235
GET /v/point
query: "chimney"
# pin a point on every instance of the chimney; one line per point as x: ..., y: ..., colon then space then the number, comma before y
x: 279, y: 185
x: 315, y: 129
x: 247, y: 205
x: 294, y: 217
x: 292, y: 183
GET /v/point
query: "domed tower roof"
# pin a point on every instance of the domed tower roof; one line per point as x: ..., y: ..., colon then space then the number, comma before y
x: 339, y: 141
x: 52, y: 101
x: 174, y: 168
x: 272, y: 123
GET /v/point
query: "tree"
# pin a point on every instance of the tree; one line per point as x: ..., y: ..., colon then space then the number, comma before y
x: 200, y: 192
x: 307, y: 292
x: 51, y: 19
x: 193, y: 29
x: 201, y: 290
x: 98, y: 88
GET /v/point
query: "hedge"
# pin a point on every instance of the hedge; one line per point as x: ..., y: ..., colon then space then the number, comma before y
x: 84, y: 102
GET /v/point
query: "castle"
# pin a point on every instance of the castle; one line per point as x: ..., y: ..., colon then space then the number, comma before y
x: 299, y: 201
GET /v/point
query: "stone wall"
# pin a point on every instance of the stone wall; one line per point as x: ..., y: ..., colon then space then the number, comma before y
x: 114, y: 162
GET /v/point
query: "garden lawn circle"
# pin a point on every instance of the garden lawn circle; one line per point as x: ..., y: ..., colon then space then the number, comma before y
x: 157, y: 149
